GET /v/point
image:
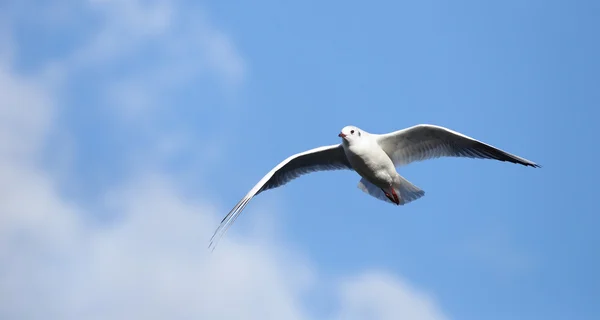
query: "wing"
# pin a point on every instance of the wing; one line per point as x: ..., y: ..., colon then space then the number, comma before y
x: 422, y: 142
x: 318, y: 159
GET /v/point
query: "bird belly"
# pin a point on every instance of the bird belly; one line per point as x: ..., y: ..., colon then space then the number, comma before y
x: 373, y: 167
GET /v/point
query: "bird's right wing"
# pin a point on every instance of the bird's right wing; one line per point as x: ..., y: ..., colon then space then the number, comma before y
x: 317, y: 159
x: 424, y: 141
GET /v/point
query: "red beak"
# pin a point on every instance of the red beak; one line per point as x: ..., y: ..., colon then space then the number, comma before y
x: 341, y: 135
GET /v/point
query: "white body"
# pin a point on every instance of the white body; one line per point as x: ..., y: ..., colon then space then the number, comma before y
x: 370, y: 161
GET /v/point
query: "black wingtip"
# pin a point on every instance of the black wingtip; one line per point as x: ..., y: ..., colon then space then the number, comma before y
x: 211, y: 246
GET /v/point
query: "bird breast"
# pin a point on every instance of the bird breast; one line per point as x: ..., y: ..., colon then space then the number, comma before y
x: 371, y: 162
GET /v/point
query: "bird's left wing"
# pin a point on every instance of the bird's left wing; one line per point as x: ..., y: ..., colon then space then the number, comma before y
x: 425, y: 141
x: 317, y: 159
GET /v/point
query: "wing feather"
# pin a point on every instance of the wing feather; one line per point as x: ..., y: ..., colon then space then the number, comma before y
x: 324, y: 158
x: 424, y: 141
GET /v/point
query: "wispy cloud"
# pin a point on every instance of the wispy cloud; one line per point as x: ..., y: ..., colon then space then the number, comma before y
x: 378, y: 295
x: 150, y: 48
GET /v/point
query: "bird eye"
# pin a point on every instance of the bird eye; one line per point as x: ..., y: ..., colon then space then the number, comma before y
x: 351, y: 131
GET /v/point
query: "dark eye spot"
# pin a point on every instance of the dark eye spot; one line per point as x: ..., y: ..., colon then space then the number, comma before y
x: 351, y: 131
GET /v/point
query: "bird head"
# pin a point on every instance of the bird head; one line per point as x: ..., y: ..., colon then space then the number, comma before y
x: 350, y: 134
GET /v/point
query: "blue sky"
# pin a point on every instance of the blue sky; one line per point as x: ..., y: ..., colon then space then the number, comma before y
x: 132, y: 127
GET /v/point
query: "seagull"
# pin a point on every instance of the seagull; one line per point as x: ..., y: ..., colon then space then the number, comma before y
x: 375, y: 158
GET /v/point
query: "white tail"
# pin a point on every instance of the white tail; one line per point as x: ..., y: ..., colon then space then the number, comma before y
x: 406, y: 191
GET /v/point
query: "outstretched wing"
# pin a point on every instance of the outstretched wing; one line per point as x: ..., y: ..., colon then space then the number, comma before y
x: 424, y: 141
x: 318, y: 159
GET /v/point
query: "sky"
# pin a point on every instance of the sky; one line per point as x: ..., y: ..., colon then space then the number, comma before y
x: 128, y: 129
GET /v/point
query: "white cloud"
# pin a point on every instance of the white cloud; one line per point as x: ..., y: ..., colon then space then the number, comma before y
x: 24, y: 115
x: 150, y: 261
x: 125, y: 26
x: 378, y: 295
x: 181, y: 46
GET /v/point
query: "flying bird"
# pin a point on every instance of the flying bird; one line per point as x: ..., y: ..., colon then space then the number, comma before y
x: 375, y: 158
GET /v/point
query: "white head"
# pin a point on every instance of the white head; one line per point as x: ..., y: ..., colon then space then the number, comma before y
x: 350, y: 134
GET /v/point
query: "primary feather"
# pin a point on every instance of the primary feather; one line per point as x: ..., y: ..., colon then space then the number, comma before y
x: 318, y: 159
x: 425, y: 141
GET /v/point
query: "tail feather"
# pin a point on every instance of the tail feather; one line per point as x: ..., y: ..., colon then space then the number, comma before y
x: 406, y: 191
x: 372, y: 190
